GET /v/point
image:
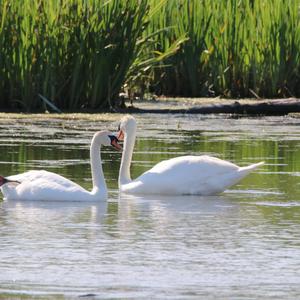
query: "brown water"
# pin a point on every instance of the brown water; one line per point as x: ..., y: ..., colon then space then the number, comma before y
x: 242, y: 244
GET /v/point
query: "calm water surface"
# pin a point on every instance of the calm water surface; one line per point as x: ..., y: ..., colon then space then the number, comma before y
x: 242, y: 244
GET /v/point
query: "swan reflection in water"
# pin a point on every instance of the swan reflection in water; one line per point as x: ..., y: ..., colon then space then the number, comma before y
x: 40, y: 218
x: 185, y: 203
x: 121, y: 217
x: 158, y: 211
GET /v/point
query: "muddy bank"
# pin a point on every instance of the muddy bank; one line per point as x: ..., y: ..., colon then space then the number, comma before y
x: 217, y: 106
x: 242, y: 107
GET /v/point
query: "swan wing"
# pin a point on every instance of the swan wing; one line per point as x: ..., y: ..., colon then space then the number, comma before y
x: 43, y: 190
x: 187, y: 175
x: 35, y: 176
x: 183, y: 164
x: 43, y: 185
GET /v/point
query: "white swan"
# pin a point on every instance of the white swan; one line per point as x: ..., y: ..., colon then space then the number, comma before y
x: 47, y: 186
x: 185, y: 175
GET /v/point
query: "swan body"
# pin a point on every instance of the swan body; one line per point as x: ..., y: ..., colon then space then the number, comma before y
x: 184, y: 175
x: 47, y: 186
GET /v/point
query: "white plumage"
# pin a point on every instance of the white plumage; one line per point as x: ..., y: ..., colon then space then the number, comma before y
x: 190, y: 175
x: 47, y: 186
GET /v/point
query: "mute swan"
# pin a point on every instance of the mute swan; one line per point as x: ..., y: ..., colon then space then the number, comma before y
x: 184, y: 175
x: 48, y: 186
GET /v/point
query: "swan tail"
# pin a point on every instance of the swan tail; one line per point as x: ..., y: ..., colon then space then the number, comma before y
x: 246, y: 170
x: 229, y: 179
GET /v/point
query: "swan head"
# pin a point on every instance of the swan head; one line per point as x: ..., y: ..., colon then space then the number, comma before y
x: 107, y: 138
x: 127, y: 125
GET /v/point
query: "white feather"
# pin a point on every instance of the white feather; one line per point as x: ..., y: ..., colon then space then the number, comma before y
x: 191, y: 175
x: 47, y: 186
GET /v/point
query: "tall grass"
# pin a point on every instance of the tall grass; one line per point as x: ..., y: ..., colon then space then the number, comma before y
x: 235, y: 48
x: 82, y: 53
x: 77, y: 53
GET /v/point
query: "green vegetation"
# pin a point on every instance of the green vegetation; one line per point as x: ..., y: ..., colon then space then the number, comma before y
x: 77, y: 53
x: 82, y: 53
x: 234, y: 48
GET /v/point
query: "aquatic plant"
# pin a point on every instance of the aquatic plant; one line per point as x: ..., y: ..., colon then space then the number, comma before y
x: 75, y: 53
x: 82, y: 53
x: 234, y: 48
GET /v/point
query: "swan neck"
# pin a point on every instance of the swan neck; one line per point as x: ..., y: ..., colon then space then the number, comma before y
x: 124, y: 174
x: 96, y: 167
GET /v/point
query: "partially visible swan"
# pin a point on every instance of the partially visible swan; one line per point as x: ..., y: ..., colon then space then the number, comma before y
x: 47, y: 186
x: 184, y: 175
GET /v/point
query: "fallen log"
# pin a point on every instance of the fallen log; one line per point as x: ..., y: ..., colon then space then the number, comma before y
x: 275, y: 107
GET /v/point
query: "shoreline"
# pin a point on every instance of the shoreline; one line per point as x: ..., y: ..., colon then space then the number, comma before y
x: 242, y: 107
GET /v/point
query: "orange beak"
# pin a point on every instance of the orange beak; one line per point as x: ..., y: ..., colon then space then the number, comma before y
x: 114, y: 142
x: 120, y: 135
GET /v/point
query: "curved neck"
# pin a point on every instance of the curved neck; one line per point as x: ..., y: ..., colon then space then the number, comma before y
x: 96, y: 166
x: 124, y: 174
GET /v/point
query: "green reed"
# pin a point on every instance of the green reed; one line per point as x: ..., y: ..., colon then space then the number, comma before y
x: 77, y: 53
x: 82, y: 53
x: 235, y: 48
